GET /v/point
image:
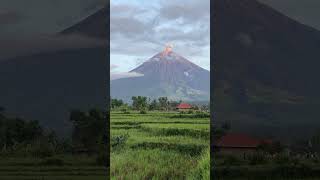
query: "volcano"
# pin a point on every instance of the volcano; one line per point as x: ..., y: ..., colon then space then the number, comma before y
x: 46, y: 86
x: 266, y: 70
x: 165, y: 74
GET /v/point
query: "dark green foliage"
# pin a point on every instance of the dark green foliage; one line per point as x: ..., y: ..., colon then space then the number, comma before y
x: 116, y: 103
x: 119, y: 141
x: 139, y: 102
x: 196, y: 115
x: 27, y: 138
x: 125, y: 109
x: 16, y: 130
x: 142, y: 111
x: 89, y: 131
x: 178, y: 132
x: 153, y: 105
x: 163, y: 103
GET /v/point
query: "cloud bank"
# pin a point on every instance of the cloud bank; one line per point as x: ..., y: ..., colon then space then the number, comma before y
x: 142, y: 29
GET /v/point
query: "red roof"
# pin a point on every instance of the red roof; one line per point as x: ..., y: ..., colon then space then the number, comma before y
x: 238, y: 140
x: 184, y: 106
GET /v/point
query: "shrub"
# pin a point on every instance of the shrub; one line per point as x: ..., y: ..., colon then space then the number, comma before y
x: 119, y: 141
x: 124, y: 109
x: 143, y: 111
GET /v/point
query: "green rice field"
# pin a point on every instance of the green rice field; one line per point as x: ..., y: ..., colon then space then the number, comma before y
x: 57, y: 168
x: 159, y: 145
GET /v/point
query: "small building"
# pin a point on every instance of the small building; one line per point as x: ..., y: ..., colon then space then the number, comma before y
x: 184, y: 107
x: 238, y: 143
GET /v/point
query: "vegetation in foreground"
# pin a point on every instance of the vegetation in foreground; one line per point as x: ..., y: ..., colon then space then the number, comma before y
x: 158, y: 143
x: 268, y: 161
x: 29, y: 152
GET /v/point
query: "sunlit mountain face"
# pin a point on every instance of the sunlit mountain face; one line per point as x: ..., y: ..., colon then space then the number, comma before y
x: 165, y: 74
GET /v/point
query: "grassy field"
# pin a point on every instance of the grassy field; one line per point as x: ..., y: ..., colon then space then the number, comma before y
x: 159, y: 145
x: 57, y: 168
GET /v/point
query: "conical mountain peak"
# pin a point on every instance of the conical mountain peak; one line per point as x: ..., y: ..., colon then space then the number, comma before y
x: 165, y: 74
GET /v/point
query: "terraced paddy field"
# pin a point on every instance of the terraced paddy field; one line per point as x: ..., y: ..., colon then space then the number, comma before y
x: 70, y: 168
x: 159, y: 145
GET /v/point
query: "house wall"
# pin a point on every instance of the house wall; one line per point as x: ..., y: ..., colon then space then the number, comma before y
x: 184, y: 110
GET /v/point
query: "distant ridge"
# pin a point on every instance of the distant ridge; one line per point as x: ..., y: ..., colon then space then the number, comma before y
x: 94, y: 25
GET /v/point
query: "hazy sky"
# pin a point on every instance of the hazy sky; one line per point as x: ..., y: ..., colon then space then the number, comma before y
x: 140, y: 29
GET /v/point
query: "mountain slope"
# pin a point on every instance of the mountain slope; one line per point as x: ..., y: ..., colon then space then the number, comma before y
x: 266, y: 69
x: 94, y: 25
x: 165, y: 74
x: 47, y: 86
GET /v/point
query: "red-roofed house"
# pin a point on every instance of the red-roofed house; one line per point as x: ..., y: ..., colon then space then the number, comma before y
x: 184, y: 106
x: 234, y: 143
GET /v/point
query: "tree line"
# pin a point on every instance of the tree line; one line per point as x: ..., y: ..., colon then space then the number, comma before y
x: 142, y: 104
x: 21, y: 137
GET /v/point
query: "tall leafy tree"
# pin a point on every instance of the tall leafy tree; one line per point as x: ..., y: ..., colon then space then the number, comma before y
x: 153, y: 105
x: 163, y: 103
x: 116, y: 103
x: 89, y: 129
x: 139, y: 103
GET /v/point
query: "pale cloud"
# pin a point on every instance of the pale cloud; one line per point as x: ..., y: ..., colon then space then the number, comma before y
x: 114, y: 76
x: 143, y: 29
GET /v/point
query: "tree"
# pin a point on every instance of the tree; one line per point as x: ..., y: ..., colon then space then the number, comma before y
x: 139, y: 103
x: 89, y: 129
x: 116, y: 103
x: 153, y: 105
x: 163, y: 103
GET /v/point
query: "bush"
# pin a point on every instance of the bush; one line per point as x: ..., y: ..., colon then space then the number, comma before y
x: 143, y: 111
x: 119, y: 141
x: 124, y: 110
